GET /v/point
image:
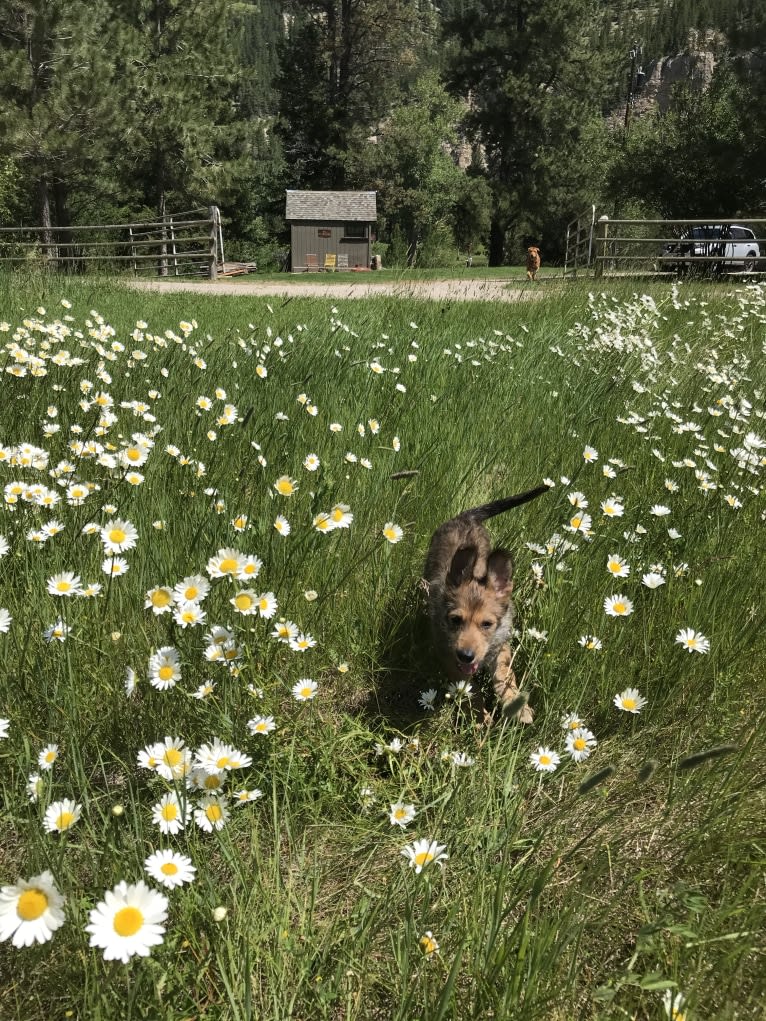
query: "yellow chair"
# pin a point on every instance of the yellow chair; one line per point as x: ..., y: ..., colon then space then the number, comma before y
x: 329, y: 262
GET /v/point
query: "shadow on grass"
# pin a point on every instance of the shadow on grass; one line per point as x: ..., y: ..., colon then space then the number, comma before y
x: 405, y: 662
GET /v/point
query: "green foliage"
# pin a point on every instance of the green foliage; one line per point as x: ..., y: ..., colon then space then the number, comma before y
x: 534, y: 85
x: 704, y: 157
x: 341, y: 68
x: 56, y: 106
x: 181, y: 139
x: 409, y: 165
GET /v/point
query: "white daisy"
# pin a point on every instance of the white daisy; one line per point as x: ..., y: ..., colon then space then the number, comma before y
x: 618, y: 606
x: 128, y: 922
x: 212, y: 813
x: 30, y: 911
x: 630, y: 701
x: 544, y: 760
x: 401, y: 814
x: 579, y: 743
x: 305, y: 690
x: 170, y: 814
x: 693, y: 641
x: 169, y: 868
x: 421, y: 853
x: 61, y: 816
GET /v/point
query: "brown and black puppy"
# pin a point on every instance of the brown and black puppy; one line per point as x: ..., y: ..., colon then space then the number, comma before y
x: 469, y: 587
x: 533, y: 262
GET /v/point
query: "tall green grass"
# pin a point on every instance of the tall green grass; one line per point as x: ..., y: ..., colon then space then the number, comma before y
x: 586, y: 893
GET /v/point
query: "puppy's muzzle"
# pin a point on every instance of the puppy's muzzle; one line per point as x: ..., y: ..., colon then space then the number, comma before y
x: 467, y: 660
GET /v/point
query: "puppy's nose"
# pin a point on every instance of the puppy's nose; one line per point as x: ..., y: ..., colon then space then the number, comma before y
x: 465, y: 655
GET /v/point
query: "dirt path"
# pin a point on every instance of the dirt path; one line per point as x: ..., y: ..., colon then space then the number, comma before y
x: 435, y: 290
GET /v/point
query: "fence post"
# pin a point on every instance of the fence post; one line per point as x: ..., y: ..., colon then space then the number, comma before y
x: 212, y: 259
x: 602, y: 234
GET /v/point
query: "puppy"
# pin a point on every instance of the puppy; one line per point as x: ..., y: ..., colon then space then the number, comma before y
x: 533, y: 262
x: 469, y: 588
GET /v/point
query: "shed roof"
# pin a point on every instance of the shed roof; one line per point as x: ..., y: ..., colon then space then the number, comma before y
x: 331, y: 205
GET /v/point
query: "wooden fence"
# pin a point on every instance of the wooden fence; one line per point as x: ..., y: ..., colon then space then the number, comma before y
x: 182, y: 244
x: 605, y: 247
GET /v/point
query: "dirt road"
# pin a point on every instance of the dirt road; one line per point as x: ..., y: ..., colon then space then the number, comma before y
x: 434, y: 290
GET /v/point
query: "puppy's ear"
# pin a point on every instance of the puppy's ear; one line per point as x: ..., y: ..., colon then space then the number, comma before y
x: 461, y: 568
x: 500, y: 572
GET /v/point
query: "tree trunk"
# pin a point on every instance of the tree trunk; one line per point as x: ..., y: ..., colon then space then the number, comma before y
x: 43, y: 203
x: 64, y: 237
x: 497, y: 230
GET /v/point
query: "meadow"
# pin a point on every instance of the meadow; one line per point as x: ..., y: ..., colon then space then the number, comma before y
x: 234, y: 785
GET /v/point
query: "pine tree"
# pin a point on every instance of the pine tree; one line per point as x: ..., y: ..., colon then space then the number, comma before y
x: 342, y: 64
x: 534, y: 83
x: 56, y: 101
x: 182, y: 135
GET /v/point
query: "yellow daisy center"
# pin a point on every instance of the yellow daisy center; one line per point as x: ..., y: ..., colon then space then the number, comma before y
x: 545, y: 760
x: 161, y: 597
x: 172, y: 757
x: 223, y: 761
x: 619, y: 607
x: 399, y: 813
x: 214, y: 813
x: 169, y: 868
x: 31, y: 904
x: 240, y: 522
x: 189, y: 616
x: 428, y: 945
x: 127, y: 921
x: 306, y: 692
x: 165, y: 673
x: 580, y: 743
x: 261, y: 728
x: 117, y: 535
x: 575, y: 522
x: 211, y: 782
x: 228, y: 565
x: 423, y: 857
x: 64, y: 820
x: 243, y: 601
x: 169, y: 812
x: 629, y: 703
x: 50, y: 756
x: 284, y: 487
x: 63, y: 585
x: 133, y: 454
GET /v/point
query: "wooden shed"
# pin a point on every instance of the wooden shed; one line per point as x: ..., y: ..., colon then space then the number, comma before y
x: 330, y: 229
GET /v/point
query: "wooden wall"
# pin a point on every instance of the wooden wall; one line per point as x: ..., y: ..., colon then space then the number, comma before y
x: 305, y: 238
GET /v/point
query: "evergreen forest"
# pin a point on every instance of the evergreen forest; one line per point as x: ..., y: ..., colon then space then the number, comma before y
x: 482, y: 124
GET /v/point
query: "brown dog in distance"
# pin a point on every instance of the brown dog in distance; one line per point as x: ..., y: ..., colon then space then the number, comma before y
x: 533, y: 262
x: 469, y: 588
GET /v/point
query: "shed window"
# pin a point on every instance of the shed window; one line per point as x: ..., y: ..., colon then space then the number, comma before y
x: 355, y: 230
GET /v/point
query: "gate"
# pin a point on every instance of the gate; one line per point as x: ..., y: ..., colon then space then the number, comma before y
x: 181, y: 244
x: 579, y: 242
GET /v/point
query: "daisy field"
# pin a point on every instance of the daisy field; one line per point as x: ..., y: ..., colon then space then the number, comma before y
x: 235, y: 784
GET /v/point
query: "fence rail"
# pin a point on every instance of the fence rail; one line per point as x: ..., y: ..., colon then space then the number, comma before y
x: 180, y: 244
x: 663, y: 246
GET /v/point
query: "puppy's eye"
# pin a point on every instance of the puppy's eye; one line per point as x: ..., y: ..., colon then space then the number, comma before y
x: 487, y: 625
x: 455, y: 620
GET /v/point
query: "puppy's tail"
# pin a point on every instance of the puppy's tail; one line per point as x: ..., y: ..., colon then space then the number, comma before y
x: 490, y: 510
